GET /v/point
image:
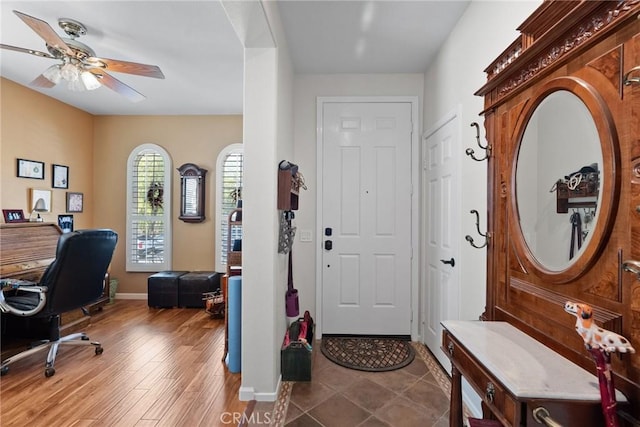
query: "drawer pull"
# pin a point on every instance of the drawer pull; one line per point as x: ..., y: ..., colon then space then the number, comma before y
x: 450, y: 348
x: 490, y: 392
x: 541, y: 415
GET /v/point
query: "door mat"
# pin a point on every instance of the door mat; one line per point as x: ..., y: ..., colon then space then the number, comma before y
x: 374, y: 354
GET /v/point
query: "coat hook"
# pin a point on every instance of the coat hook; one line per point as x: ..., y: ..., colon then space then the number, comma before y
x: 486, y: 148
x: 486, y: 235
x: 631, y: 80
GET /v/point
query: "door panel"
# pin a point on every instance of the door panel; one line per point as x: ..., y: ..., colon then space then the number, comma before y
x: 367, y: 202
x: 442, y: 219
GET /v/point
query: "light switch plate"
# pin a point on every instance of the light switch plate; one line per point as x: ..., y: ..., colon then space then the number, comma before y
x: 306, y: 236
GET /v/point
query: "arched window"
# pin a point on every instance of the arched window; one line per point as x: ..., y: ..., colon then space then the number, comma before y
x: 148, y: 244
x: 228, y: 185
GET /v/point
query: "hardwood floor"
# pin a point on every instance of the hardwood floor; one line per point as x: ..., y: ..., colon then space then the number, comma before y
x: 160, y: 367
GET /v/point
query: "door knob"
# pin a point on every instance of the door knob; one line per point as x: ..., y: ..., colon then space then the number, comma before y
x: 328, y: 245
x: 451, y: 262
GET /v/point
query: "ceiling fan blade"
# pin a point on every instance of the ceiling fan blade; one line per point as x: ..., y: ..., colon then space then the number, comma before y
x: 45, y: 31
x: 42, y: 81
x: 127, y: 67
x: 30, y: 51
x: 116, y: 85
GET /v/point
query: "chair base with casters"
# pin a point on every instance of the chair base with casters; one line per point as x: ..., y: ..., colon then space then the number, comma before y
x: 72, y: 281
x: 52, y: 344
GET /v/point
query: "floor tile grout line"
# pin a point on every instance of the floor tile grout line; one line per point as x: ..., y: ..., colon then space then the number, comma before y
x: 284, y: 398
x: 439, y: 373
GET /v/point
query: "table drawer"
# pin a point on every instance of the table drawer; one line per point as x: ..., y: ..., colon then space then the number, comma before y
x: 494, y: 396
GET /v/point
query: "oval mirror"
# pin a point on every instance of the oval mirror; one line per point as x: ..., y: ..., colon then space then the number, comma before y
x: 563, y: 177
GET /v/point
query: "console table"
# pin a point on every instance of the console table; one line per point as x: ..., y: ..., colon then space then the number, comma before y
x: 514, y: 374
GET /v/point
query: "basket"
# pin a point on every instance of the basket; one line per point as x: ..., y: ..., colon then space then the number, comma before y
x: 234, y: 258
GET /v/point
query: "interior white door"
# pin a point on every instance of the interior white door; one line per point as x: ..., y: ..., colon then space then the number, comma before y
x: 366, y: 214
x: 441, y: 205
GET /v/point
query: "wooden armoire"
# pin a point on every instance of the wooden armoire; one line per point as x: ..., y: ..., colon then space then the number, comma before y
x: 562, y: 118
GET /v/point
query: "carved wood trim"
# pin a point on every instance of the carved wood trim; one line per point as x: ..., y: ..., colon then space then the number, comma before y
x: 606, y: 318
x: 533, y: 62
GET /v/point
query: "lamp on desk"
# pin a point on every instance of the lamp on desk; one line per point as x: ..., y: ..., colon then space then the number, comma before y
x: 40, y: 206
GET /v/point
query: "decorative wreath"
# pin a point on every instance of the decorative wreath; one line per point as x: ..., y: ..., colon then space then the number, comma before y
x: 155, y: 195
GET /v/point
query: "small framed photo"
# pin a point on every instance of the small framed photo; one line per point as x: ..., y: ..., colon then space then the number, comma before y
x: 30, y: 169
x: 13, y: 215
x: 66, y: 223
x: 60, y: 176
x: 75, y: 202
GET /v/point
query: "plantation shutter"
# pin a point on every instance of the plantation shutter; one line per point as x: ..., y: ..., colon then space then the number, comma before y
x: 231, y: 181
x: 147, y: 208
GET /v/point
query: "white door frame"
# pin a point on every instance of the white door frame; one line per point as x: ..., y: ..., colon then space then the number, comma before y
x: 415, y: 200
x: 453, y: 307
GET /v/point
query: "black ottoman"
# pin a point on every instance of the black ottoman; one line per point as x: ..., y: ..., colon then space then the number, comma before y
x: 162, y: 288
x: 192, y: 285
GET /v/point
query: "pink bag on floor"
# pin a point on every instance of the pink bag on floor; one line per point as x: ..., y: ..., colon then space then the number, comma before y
x: 291, y: 298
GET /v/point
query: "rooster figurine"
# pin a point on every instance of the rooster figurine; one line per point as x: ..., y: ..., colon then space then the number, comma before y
x: 600, y: 343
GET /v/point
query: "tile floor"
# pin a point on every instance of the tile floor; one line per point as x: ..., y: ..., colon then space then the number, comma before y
x: 416, y: 395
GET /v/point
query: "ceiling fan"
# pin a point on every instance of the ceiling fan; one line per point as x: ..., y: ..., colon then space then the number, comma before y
x: 80, y: 68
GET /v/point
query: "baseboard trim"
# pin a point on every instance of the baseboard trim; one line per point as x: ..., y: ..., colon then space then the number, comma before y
x: 249, y: 393
x: 131, y: 296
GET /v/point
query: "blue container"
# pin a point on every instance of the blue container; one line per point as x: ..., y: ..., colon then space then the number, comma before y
x: 234, y: 312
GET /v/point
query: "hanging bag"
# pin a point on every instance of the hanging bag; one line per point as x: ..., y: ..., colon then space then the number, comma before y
x: 291, y: 298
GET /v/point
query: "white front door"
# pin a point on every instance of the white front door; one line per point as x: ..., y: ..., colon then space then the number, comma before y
x: 441, y: 204
x: 366, y: 218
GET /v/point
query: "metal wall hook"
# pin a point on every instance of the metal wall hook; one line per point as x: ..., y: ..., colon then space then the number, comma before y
x: 486, y: 236
x: 628, y: 81
x: 632, y: 266
x: 486, y: 148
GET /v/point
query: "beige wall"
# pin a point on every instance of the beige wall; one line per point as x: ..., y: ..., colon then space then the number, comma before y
x: 96, y: 149
x: 187, y: 139
x: 36, y: 127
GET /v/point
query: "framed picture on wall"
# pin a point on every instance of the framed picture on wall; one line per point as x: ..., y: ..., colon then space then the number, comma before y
x: 13, y: 215
x: 30, y: 169
x: 66, y: 223
x: 75, y: 202
x: 60, y: 176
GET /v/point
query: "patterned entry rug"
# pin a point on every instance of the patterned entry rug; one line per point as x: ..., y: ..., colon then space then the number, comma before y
x: 375, y: 354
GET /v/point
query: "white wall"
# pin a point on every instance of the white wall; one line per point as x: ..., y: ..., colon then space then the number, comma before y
x: 307, y: 88
x: 267, y: 135
x: 485, y: 30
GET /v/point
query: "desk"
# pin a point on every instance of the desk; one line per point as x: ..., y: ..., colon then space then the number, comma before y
x: 514, y: 374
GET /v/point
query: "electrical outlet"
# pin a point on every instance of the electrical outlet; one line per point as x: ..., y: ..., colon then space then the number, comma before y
x: 306, y: 236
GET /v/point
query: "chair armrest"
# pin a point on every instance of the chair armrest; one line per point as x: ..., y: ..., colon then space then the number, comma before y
x: 22, y: 286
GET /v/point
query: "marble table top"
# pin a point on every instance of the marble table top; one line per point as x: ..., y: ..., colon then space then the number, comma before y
x: 526, y: 367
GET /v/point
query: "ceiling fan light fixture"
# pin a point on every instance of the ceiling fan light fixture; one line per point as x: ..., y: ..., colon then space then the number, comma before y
x: 79, y: 67
x: 90, y: 81
x: 69, y: 72
x: 76, y: 86
x: 53, y: 74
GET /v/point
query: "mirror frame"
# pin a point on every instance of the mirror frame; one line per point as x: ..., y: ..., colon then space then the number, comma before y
x: 610, y: 181
x: 189, y: 171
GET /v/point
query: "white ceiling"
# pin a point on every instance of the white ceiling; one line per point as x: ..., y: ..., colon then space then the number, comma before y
x: 201, y: 56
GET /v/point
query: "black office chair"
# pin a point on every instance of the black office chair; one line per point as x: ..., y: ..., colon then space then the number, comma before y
x: 73, y: 280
